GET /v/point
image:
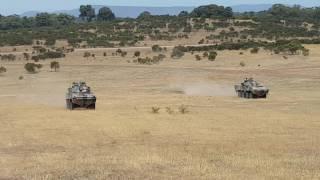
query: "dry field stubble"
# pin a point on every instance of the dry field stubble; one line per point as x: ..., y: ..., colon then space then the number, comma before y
x: 220, y: 136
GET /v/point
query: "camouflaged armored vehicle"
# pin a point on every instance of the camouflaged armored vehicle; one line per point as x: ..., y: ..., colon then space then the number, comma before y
x: 250, y: 88
x: 80, y: 96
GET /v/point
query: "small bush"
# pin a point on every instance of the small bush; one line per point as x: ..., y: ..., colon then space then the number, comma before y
x: 26, y: 56
x: 155, y: 110
x: 2, y: 70
x: 242, y: 64
x: 32, y: 67
x: 156, y: 48
x: 169, y: 110
x: 198, y: 57
x: 87, y: 54
x: 20, y: 77
x: 205, y: 54
x: 212, y: 55
x: 183, y: 109
x: 124, y: 54
x: 306, y: 52
x: 8, y: 57
x: 104, y: 54
x: 255, y: 50
x: 137, y: 54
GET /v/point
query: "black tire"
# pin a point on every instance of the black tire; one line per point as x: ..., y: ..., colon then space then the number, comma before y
x: 92, y: 106
x: 68, y: 104
x: 72, y: 106
x: 250, y: 95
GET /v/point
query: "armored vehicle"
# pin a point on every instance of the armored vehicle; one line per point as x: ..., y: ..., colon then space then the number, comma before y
x: 250, y: 88
x: 79, y: 95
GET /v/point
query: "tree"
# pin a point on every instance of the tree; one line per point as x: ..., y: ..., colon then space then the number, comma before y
x: 2, y: 69
x: 87, y: 12
x: 212, y: 11
x: 105, y: 14
x: 183, y: 14
x: 144, y: 15
x: 65, y: 19
x: 212, y: 55
x: 32, y: 67
x: 43, y: 19
x: 54, y: 65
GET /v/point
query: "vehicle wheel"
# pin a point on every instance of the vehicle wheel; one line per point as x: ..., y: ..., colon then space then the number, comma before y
x: 71, y: 106
x: 250, y: 95
x: 242, y: 94
x: 68, y: 104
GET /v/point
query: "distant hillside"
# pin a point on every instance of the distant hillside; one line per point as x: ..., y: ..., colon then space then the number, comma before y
x: 124, y: 11
x: 130, y: 11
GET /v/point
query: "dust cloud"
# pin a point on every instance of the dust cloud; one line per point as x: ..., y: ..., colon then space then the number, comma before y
x: 203, y: 89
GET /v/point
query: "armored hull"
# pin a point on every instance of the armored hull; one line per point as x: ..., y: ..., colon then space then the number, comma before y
x: 80, y: 96
x: 251, y: 89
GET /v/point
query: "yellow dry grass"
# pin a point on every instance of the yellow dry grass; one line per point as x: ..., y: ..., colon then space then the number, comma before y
x: 221, y: 136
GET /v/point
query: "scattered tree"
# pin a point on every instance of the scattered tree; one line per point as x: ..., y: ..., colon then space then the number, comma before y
x: 55, y: 65
x: 87, y: 12
x: 105, y: 14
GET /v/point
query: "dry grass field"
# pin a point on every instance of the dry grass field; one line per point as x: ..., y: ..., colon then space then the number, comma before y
x: 219, y: 137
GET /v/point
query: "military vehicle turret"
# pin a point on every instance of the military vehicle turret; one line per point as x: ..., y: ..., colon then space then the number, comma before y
x: 250, y: 88
x: 79, y: 95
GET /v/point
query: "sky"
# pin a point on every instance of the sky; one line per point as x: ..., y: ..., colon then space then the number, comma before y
x: 19, y: 6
